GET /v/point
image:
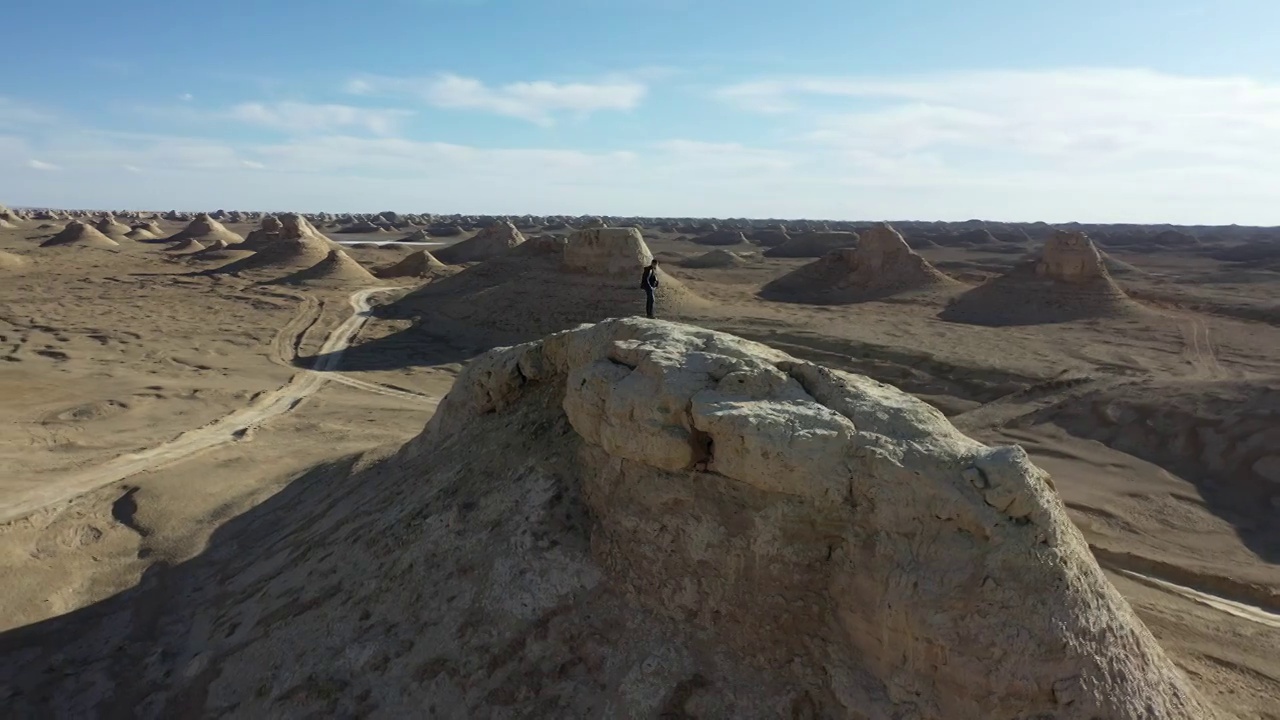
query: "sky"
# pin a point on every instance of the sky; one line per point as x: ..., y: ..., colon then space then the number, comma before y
x: 1094, y: 111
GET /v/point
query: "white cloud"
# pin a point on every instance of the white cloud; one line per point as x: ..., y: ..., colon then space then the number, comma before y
x: 186, y: 97
x: 252, y: 164
x: 132, y: 168
x: 310, y: 118
x: 536, y: 101
x: 41, y: 165
x: 1093, y: 117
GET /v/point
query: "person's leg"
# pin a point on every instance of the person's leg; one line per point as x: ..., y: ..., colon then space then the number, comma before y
x: 648, y: 303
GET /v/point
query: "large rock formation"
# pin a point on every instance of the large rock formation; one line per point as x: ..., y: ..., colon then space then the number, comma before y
x: 881, y: 265
x: 489, y: 243
x: 607, y: 251
x: 1070, y: 257
x: 337, y: 268
x: 1067, y: 281
x: 8, y: 218
x: 664, y: 522
x: 205, y: 229
x: 417, y: 264
x: 80, y: 233
x: 288, y: 243
x: 112, y: 228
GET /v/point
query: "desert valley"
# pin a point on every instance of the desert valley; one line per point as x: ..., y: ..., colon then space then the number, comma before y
x: 396, y: 465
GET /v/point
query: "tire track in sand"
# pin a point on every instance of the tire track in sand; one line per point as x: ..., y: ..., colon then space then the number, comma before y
x: 225, y: 430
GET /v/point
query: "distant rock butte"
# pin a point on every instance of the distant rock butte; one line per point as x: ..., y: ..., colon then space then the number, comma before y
x: 1070, y: 257
x: 607, y: 251
x: 880, y: 265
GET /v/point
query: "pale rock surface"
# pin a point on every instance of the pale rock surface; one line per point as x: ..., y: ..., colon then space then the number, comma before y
x: 417, y: 264
x: 607, y: 251
x: 819, y: 526
x: 1070, y: 257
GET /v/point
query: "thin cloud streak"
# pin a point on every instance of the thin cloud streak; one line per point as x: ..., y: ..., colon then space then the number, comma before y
x: 536, y: 101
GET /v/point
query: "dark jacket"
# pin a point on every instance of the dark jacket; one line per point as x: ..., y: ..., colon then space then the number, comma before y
x: 649, y: 279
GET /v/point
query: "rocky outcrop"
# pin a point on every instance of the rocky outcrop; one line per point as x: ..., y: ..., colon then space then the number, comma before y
x: 80, y: 233
x: 417, y: 264
x: 487, y: 244
x: 205, y: 229
x: 1067, y: 281
x: 827, y: 527
x: 337, y: 268
x: 881, y: 265
x: 112, y: 228
x: 607, y: 251
x: 1070, y: 257
x: 287, y: 243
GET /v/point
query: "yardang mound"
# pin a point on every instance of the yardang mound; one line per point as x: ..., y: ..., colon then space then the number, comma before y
x: 417, y: 264
x: 1068, y: 282
x: 489, y: 243
x: 112, y: 228
x: 546, y: 286
x: 881, y: 265
x: 288, y: 243
x: 664, y: 522
x: 78, y: 233
x: 186, y: 246
x: 206, y: 229
x: 337, y: 268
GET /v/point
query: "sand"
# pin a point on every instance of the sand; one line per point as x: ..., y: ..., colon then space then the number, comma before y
x: 180, y: 439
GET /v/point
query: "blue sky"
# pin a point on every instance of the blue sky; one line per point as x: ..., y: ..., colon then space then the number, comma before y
x: 1128, y: 110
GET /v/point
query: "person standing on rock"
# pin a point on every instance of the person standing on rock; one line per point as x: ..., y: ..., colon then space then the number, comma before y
x: 649, y: 281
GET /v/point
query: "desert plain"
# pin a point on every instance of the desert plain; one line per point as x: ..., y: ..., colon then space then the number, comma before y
x: 278, y: 465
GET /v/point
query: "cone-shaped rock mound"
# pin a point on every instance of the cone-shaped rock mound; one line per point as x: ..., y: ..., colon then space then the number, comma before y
x: 285, y: 244
x: 417, y: 264
x: 881, y: 265
x: 1069, y: 281
x: 79, y: 233
x: 812, y: 245
x: 489, y: 243
x: 337, y: 268
x: 112, y: 228
x: 664, y: 522
x: 186, y: 246
x: 141, y: 234
x: 715, y: 259
x: 206, y: 229
x: 548, y: 285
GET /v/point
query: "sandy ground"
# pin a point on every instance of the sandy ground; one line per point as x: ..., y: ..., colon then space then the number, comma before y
x: 146, y: 407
